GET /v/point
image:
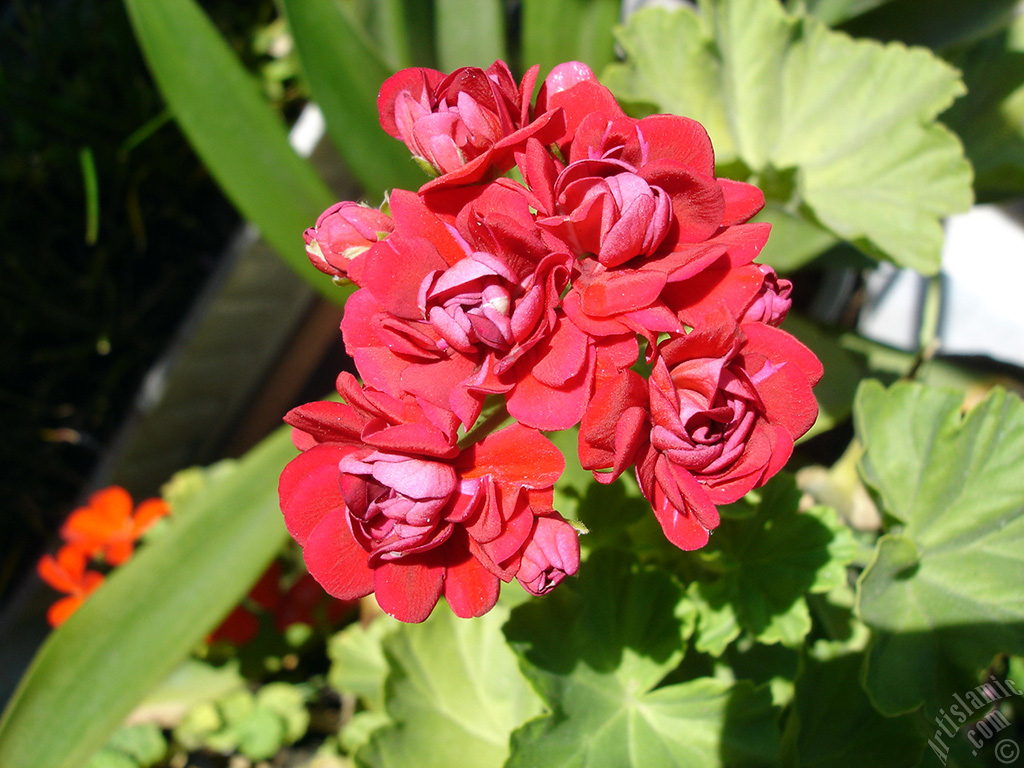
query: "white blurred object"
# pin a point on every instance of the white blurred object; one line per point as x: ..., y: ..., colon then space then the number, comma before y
x: 983, y: 273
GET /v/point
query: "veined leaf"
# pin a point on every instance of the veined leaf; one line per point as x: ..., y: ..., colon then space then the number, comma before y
x: 453, y: 693
x: 232, y: 127
x: 943, y: 592
x: 768, y: 561
x: 595, y: 649
x: 149, y: 614
x: 841, y: 132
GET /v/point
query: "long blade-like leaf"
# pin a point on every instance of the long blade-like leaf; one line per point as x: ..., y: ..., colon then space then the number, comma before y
x: 545, y: 40
x: 232, y: 127
x: 345, y: 70
x: 470, y: 33
x: 148, y: 615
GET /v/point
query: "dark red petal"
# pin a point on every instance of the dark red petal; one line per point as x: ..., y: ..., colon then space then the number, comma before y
x: 515, y: 455
x: 697, y: 200
x: 742, y: 201
x: 308, y: 489
x: 336, y: 560
x: 327, y: 422
x: 671, y: 137
x: 682, y: 506
x: 417, y: 438
x: 409, y: 588
x: 470, y: 589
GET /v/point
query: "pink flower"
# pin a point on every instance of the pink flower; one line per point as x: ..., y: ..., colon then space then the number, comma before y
x: 466, y: 125
x: 383, y: 501
x: 552, y: 554
x: 772, y: 302
x: 606, y: 209
x: 342, y: 234
x: 452, y: 311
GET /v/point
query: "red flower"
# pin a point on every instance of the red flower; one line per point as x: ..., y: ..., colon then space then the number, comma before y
x: 726, y: 403
x: 466, y: 125
x: 383, y: 501
x: 452, y: 311
x: 303, y: 603
x: 66, y: 573
x: 107, y: 526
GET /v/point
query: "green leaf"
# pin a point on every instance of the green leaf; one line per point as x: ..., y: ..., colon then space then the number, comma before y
x: 943, y: 591
x: 596, y: 649
x: 849, y: 123
x: 288, y: 702
x: 192, y: 682
x: 404, y: 31
x: 545, y: 42
x: 469, y: 33
x: 345, y: 70
x: 767, y: 562
x: 133, y: 746
x: 795, y: 240
x: 939, y: 24
x: 990, y: 119
x: 833, y: 725
x: 834, y: 11
x: 232, y: 127
x: 357, y: 658
x: 148, y: 615
x: 453, y: 693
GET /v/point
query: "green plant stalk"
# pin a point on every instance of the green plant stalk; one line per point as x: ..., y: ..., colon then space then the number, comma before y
x: 92, y: 195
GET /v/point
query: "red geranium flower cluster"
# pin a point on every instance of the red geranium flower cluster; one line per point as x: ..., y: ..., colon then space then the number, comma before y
x: 538, y: 292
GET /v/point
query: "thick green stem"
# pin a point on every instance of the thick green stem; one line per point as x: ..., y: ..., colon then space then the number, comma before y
x: 494, y: 417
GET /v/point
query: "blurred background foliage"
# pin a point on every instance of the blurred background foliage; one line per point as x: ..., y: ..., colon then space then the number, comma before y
x: 110, y: 227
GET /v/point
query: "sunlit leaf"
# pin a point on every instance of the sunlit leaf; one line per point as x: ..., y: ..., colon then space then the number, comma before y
x: 840, y: 131
x: 943, y: 592
x: 453, y: 693
x: 345, y: 70
x: 596, y: 650
x: 544, y: 37
x: 469, y: 33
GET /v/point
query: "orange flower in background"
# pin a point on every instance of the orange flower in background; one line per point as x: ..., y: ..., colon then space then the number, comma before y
x: 66, y: 573
x: 107, y: 525
x: 106, y: 528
